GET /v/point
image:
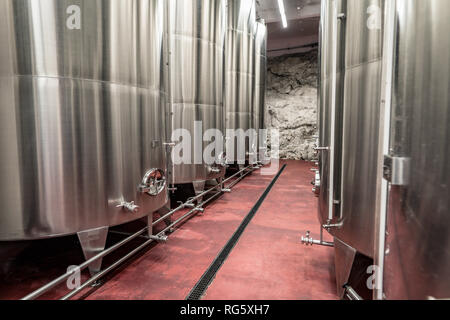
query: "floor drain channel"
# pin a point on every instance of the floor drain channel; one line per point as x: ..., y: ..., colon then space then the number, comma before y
x: 202, y: 285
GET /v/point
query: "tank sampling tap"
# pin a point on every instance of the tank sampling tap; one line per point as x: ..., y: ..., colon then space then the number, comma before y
x: 129, y: 206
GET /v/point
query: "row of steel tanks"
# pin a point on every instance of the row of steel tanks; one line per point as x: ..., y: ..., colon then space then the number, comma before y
x: 215, y: 51
x: 92, y: 94
x: 195, y: 77
x: 383, y: 161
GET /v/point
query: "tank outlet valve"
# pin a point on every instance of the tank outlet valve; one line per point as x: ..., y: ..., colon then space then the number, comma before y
x: 129, y: 206
x: 316, y: 183
x: 222, y: 160
x: 330, y: 226
x: 170, y: 144
x: 214, y: 170
x: 341, y: 16
x: 189, y: 205
x: 160, y: 239
x: 201, y: 210
x: 309, y: 241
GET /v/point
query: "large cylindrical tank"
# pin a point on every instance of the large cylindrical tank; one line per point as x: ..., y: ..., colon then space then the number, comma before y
x: 240, y: 77
x: 325, y: 101
x: 259, y: 100
x: 417, y: 263
x: 360, y: 103
x: 195, y: 43
x: 351, y: 85
x: 81, y: 121
x: 331, y: 85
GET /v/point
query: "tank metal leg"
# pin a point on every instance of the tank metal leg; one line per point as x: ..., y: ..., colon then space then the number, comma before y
x: 344, y: 258
x: 150, y: 225
x: 93, y: 242
x: 222, y: 186
x: 162, y: 212
x: 212, y: 183
x: 199, y: 187
x: 159, y: 239
x: 220, y: 183
x: 241, y: 167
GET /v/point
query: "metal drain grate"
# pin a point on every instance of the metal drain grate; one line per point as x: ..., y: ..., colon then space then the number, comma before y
x: 202, y: 285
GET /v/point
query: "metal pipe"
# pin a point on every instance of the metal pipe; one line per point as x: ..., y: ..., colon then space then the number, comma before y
x: 237, y: 173
x: 351, y: 293
x: 185, y: 216
x: 120, y: 233
x: 107, y: 270
x: 130, y: 254
x: 37, y: 293
x: 169, y: 214
x: 333, y: 225
x: 311, y: 241
x: 191, y: 201
x: 239, y: 179
x: 384, y: 139
x: 323, y: 243
x: 82, y: 266
x: 333, y: 113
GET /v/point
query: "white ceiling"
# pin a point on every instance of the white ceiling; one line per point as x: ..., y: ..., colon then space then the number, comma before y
x: 295, y: 9
x: 303, y: 25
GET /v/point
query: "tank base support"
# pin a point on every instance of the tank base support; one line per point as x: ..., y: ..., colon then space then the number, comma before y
x: 199, y: 188
x: 93, y: 242
x: 168, y: 221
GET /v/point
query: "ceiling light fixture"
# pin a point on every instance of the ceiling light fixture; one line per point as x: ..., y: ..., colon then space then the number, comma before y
x: 283, y: 13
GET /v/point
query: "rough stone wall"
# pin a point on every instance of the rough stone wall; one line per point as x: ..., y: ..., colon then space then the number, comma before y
x: 291, y: 103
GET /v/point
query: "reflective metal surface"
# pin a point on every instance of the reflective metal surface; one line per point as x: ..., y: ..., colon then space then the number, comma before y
x: 195, y: 38
x: 344, y: 258
x: 93, y: 242
x: 239, y: 66
x: 417, y: 263
x: 357, y: 97
x: 325, y: 102
x: 331, y: 80
x: 80, y: 113
x: 259, y: 101
x: 361, y: 103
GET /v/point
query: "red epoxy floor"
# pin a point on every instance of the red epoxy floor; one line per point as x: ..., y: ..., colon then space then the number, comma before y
x: 268, y: 262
